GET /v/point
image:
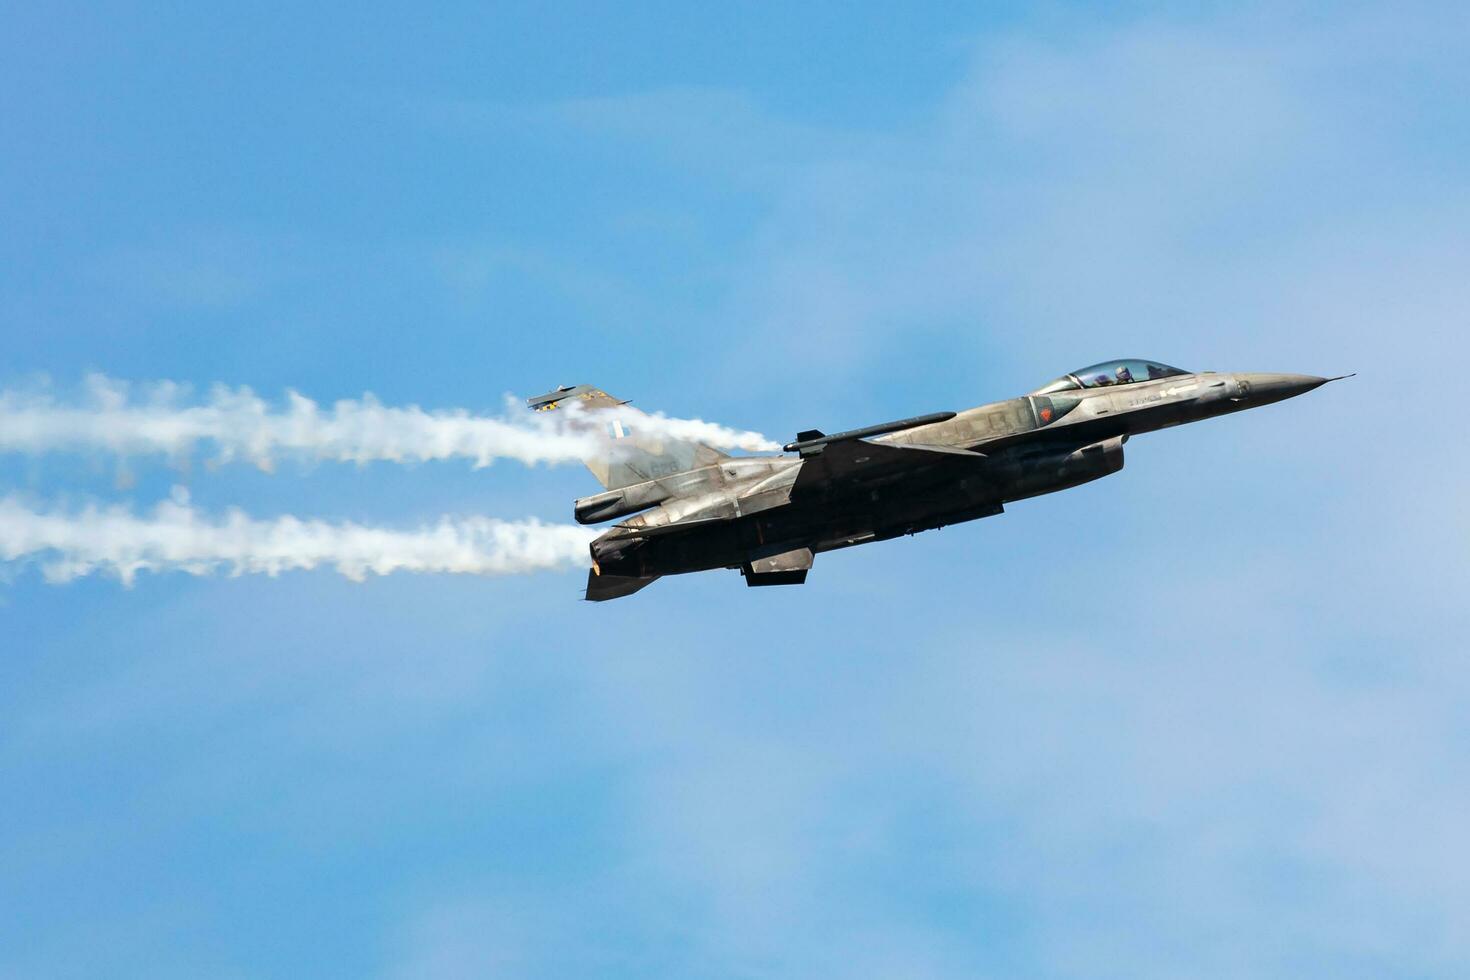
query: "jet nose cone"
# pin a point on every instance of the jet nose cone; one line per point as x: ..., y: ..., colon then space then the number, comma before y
x: 1266, y: 388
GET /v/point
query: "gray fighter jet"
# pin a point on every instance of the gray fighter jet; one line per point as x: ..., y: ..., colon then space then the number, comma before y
x: 697, y: 508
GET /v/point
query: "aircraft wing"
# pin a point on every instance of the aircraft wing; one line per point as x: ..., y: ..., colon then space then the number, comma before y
x: 857, y: 460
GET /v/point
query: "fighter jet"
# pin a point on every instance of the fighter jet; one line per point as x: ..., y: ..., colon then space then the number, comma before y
x: 688, y: 507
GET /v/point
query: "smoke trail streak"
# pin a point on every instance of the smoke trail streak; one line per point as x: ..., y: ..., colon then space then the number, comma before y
x: 176, y: 537
x: 240, y: 425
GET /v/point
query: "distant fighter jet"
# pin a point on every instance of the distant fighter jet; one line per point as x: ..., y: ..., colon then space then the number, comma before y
x: 769, y: 515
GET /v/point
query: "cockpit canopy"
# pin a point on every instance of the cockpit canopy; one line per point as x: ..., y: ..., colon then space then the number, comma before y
x: 1108, y: 373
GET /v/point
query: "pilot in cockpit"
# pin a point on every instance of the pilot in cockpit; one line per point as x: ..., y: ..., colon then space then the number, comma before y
x: 1125, y: 376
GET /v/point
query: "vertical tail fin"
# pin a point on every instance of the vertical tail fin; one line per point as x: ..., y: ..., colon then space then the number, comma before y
x: 626, y: 457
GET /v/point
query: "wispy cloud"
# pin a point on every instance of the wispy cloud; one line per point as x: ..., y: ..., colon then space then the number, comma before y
x: 1204, y: 718
x: 1081, y: 191
x: 1260, y: 741
x: 204, y: 271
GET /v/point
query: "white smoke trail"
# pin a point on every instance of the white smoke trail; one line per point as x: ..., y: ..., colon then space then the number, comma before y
x: 238, y: 424
x: 176, y: 537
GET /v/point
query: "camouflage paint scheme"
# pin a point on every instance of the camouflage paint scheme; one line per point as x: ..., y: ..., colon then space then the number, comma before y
x: 770, y: 515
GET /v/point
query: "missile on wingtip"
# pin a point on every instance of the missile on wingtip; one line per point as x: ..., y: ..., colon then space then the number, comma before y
x: 812, y: 441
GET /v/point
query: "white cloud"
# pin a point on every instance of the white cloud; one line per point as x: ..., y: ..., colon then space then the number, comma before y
x: 1225, y: 746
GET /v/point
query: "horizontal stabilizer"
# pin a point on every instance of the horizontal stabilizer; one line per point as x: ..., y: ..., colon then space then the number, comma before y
x: 600, y: 588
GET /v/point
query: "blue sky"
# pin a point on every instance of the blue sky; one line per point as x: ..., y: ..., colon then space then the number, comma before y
x: 1206, y: 717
